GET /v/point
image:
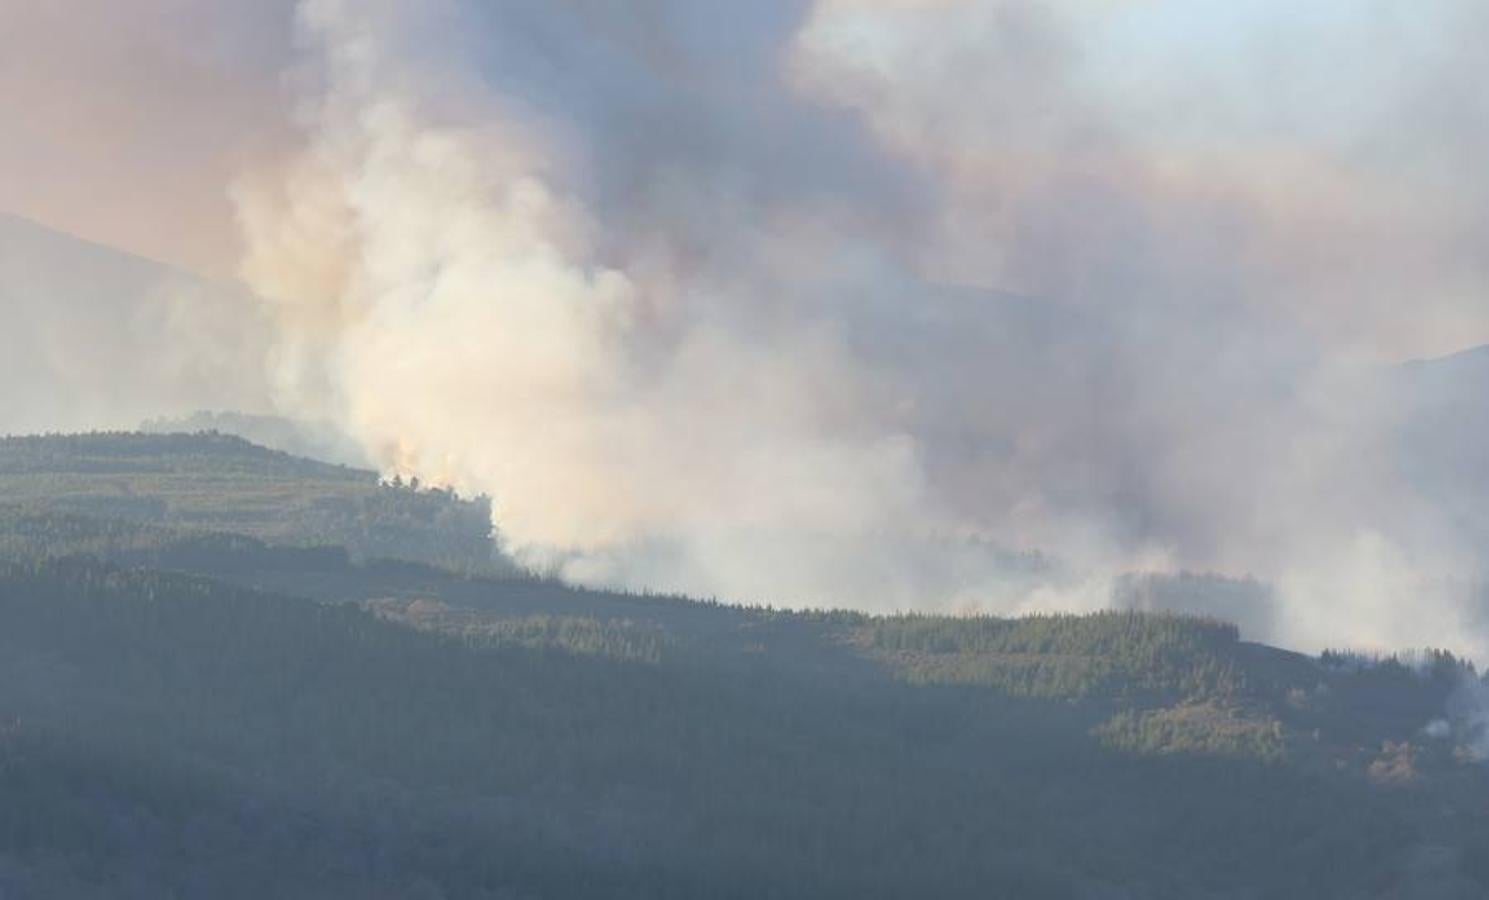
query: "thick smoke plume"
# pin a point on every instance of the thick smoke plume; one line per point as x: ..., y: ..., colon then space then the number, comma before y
x: 951, y: 304
x: 853, y: 302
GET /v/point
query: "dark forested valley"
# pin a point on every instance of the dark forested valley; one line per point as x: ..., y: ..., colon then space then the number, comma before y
x: 229, y: 672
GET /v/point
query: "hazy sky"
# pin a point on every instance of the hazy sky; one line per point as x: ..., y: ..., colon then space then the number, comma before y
x: 818, y: 301
x: 128, y: 122
x: 125, y: 122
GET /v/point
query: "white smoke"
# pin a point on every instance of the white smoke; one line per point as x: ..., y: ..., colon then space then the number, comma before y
x: 673, y: 284
x: 449, y: 294
x: 951, y: 304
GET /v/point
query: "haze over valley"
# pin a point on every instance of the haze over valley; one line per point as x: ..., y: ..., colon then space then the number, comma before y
x: 568, y: 448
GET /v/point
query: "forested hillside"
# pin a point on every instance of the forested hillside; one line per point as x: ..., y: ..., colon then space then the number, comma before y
x: 222, y: 696
x: 212, y: 482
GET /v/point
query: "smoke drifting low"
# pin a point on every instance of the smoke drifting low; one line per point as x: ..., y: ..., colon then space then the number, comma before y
x: 95, y: 338
x: 945, y: 305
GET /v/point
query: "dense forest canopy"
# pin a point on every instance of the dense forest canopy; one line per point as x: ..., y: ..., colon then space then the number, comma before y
x: 199, y: 700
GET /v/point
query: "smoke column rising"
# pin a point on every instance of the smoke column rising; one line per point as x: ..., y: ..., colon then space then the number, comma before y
x: 839, y: 304
x: 864, y: 302
x: 613, y: 308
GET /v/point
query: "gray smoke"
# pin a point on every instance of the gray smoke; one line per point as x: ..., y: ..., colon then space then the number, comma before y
x: 952, y: 304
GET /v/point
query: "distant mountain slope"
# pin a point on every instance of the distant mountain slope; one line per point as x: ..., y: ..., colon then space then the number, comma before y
x: 98, y: 338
